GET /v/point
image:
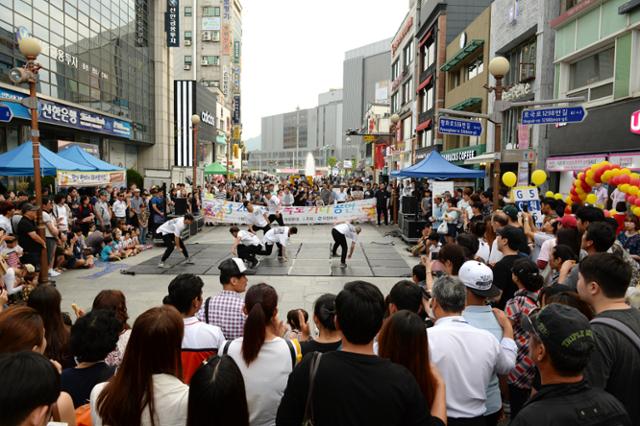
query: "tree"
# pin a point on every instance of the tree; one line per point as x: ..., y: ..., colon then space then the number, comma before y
x: 331, y: 161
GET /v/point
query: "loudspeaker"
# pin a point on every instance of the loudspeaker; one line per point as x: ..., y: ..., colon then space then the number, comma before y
x: 409, y: 205
x: 181, y: 206
x: 412, y: 228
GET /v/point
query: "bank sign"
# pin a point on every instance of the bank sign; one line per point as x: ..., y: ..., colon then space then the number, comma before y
x: 63, y: 115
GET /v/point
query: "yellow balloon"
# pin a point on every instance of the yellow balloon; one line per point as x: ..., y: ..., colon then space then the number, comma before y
x: 590, y: 181
x: 636, y: 211
x: 581, y: 176
x: 625, y: 171
x: 589, y: 173
x: 634, y: 190
x: 606, y: 176
x: 624, y: 187
x: 613, y: 212
x: 538, y: 177
x: 600, y: 206
x: 549, y: 194
x: 616, y: 172
x: 509, y: 179
x: 568, y: 200
x: 579, y: 190
x: 558, y: 196
x: 591, y: 198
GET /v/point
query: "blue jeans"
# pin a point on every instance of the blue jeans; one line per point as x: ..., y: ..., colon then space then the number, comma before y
x: 143, y: 235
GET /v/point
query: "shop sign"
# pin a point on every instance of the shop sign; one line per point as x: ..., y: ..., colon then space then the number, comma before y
x: 140, y: 25
x: 401, y: 35
x: 225, y: 40
x: 569, y: 164
x: 84, y: 179
x: 236, y: 110
x: 208, y: 118
x: 226, y: 9
x: 210, y: 24
x: 236, y: 52
x: 463, y: 154
x: 635, y: 122
x: 172, y: 23
x: 630, y: 160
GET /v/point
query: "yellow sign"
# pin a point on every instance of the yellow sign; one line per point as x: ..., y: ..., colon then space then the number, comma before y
x: 369, y: 138
x: 236, y: 133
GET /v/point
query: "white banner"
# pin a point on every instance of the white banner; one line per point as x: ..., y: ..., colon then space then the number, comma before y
x: 222, y: 211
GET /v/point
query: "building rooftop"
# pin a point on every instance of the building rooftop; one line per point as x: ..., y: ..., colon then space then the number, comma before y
x: 372, y: 49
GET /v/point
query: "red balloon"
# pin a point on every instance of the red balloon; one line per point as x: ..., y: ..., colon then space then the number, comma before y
x: 607, y: 213
x: 585, y: 186
x: 631, y: 199
x: 622, y: 179
x: 634, y: 182
x: 637, y: 202
x: 614, y: 181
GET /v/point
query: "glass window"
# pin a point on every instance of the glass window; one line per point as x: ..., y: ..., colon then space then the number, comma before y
x: 210, y: 11
x: 210, y: 60
x: 474, y: 69
x: 592, y: 69
x: 187, y: 11
x: 23, y: 8
x: 187, y: 35
x: 428, y: 55
x: 408, y: 54
x: 395, y: 70
x: 187, y: 59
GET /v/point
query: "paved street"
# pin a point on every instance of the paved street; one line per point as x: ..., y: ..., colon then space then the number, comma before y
x: 144, y: 291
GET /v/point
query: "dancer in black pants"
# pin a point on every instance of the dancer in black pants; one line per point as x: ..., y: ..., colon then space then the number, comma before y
x: 256, y: 218
x: 273, y: 206
x: 280, y: 237
x: 340, y: 233
x: 246, y: 246
x: 171, y: 231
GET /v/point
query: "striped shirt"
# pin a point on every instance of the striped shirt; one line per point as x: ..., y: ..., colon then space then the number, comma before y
x: 522, y: 303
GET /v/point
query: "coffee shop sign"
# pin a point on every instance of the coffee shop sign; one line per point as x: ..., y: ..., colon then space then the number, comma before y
x: 459, y: 156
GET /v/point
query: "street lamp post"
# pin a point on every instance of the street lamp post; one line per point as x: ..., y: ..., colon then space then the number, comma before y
x: 195, y: 120
x: 30, y: 47
x: 498, y: 67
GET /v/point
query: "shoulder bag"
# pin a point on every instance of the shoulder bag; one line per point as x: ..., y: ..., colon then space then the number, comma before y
x: 307, y: 420
x: 620, y: 327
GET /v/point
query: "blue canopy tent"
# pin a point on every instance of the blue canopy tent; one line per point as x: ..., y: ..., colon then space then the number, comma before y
x: 433, y: 166
x: 80, y: 156
x: 19, y: 162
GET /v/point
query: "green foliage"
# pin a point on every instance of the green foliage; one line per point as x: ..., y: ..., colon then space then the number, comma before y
x: 332, y: 161
x: 134, y: 177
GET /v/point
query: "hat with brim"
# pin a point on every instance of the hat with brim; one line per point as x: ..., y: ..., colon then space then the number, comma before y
x: 478, y: 278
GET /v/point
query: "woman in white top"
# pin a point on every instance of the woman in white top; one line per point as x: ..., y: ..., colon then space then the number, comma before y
x: 146, y: 389
x: 264, y: 358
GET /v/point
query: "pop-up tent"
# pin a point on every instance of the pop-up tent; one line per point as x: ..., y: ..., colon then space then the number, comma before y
x: 215, y: 169
x: 19, y: 162
x: 80, y: 156
x: 433, y: 166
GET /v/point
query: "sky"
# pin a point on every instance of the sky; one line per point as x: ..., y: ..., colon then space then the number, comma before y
x: 292, y: 50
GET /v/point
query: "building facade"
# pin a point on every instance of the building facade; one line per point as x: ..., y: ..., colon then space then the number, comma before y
x: 439, y: 22
x: 210, y: 47
x: 100, y: 83
x: 365, y: 79
x: 597, y: 56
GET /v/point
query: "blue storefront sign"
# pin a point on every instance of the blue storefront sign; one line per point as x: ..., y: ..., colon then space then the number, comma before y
x: 457, y: 126
x: 63, y: 115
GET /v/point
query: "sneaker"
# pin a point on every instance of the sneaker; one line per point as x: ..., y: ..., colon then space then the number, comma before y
x: 343, y: 265
x: 334, y: 255
x: 53, y: 273
x: 162, y: 265
x: 189, y: 261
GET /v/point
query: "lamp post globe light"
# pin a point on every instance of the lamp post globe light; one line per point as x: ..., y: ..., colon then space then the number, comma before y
x: 498, y: 68
x: 195, y: 120
x: 30, y: 47
x: 395, y: 118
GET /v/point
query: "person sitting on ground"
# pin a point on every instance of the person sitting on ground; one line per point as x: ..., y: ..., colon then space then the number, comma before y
x: 108, y: 252
x: 353, y: 386
x: 264, y: 358
x: 29, y: 389
x: 217, y: 394
x: 403, y: 341
x: 424, y: 242
x: 226, y: 309
x: 147, y: 384
x: 93, y: 337
x: 201, y: 340
x: 562, y: 342
x: 22, y: 330
x: 328, y: 339
x: 468, y: 357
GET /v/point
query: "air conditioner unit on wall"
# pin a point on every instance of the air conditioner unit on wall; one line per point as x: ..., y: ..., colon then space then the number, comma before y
x: 187, y: 66
x: 206, y: 36
x: 187, y: 42
x: 204, y: 62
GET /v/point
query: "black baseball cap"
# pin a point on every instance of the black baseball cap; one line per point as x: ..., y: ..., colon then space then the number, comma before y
x: 233, y: 267
x: 516, y: 236
x: 561, y: 328
x: 511, y: 211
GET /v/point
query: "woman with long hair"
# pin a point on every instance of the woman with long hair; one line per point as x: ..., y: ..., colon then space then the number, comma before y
x: 217, y: 394
x: 329, y: 339
x: 403, y: 340
x: 264, y: 358
x: 115, y: 300
x: 45, y: 299
x: 22, y: 329
x: 146, y: 389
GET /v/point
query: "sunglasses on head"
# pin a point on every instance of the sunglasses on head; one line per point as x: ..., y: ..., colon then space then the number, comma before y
x: 527, y: 323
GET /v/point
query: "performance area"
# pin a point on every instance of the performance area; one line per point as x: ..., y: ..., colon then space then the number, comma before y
x: 370, y: 259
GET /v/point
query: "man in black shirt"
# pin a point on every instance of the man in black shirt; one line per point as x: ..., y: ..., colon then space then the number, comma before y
x: 561, y: 342
x: 28, y: 237
x: 614, y: 366
x: 510, y: 242
x: 353, y: 386
x: 382, y: 203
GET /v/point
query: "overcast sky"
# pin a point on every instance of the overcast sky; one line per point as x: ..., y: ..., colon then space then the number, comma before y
x: 293, y: 49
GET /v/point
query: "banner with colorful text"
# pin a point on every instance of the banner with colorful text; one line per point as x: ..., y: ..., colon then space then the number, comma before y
x: 83, y: 179
x: 221, y: 211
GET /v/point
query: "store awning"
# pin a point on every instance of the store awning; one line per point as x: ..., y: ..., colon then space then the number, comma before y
x: 221, y: 139
x: 19, y: 162
x: 215, y: 169
x: 80, y: 156
x: 424, y: 83
x: 424, y: 126
x: 462, y: 53
x: 488, y: 157
x: 469, y: 102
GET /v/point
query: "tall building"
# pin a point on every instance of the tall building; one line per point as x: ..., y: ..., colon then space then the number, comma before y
x: 365, y: 79
x: 210, y: 46
x: 596, y: 57
x: 288, y: 138
x: 101, y: 81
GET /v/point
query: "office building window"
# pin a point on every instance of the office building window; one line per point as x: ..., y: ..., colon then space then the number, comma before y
x: 187, y: 59
x: 408, y: 54
x: 211, y: 83
x: 522, y: 63
x: 407, y: 88
x: 474, y: 69
x: 592, y: 76
x: 428, y: 55
x: 395, y: 102
x: 211, y: 11
x: 208, y: 60
x: 187, y: 11
x: 426, y: 138
x: 395, y: 70
x: 188, y: 35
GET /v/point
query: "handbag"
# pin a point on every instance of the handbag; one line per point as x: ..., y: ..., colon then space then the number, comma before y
x: 443, y: 228
x: 307, y: 420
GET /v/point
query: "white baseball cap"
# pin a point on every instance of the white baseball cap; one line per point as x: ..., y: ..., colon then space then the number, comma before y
x: 478, y: 278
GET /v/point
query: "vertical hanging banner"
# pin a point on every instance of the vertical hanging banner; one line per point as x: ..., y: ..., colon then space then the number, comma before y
x: 172, y: 23
x: 142, y: 35
x: 236, y: 109
x: 225, y: 40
